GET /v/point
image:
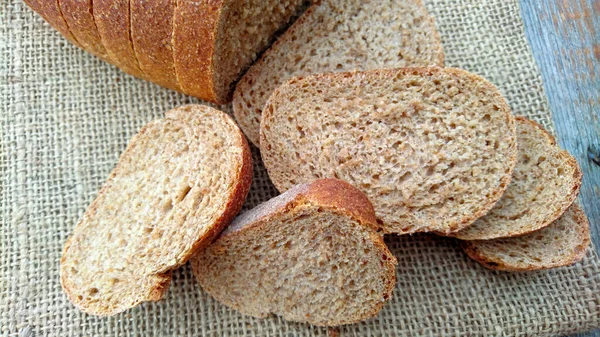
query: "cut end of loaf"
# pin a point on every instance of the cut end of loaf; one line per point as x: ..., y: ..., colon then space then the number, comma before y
x: 178, y: 183
x: 245, y: 29
x: 303, y: 256
x: 545, y: 182
x: 433, y: 148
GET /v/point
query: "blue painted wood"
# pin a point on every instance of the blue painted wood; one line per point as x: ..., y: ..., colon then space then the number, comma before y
x: 565, y: 40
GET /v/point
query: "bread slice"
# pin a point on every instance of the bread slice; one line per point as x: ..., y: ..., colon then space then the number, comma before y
x: 178, y: 183
x: 113, y: 22
x: 310, y: 255
x: 336, y: 35
x: 215, y: 41
x: 50, y: 11
x: 152, y: 34
x: 79, y: 16
x: 562, y: 243
x: 433, y: 148
x: 544, y: 184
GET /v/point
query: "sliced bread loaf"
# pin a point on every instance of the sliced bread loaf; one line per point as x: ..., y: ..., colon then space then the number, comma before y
x: 114, y: 26
x: 433, y: 148
x: 216, y: 41
x: 560, y: 244
x: 50, y: 11
x: 310, y: 255
x: 544, y: 184
x: 79, y: 17
x: 335, y: 35
x: 152, y: 35
x: 178, y: 183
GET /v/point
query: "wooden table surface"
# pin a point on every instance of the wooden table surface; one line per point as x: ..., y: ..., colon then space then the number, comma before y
x: 565, y: 40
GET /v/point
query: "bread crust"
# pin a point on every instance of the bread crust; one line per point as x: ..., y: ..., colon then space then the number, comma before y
x: 79, y: 16
x: 152, y: 34
x: 567, y: 201
x: 195, y: 26
x: 334, y: 195
x: 158, y: 280
x: 466, y: 220
x: 494, y: 263
x: 244, y: 116
x: 50, y: 11
x: 113, y: 22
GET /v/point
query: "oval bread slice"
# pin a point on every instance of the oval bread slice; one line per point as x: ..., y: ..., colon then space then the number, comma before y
x: 562, y: 243
x: 178, y: 183
x: 310, y: 255
x: 339, y: 35
x: 433, y: 148
x: 545, y: 182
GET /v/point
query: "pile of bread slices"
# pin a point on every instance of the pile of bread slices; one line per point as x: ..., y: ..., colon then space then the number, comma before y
x: 398, y: 145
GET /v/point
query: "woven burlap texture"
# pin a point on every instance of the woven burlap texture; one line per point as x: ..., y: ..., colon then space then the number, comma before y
x: 66, y: 117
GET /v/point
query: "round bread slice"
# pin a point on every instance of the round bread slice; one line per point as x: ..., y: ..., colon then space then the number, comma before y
x: 545, y: 182
x: 433, y: 148
x: 179, y: 182
x: 339, y: 35
x: 562, y: 243
x: 310, y: 255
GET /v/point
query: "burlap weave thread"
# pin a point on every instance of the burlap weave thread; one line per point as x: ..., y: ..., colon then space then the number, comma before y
x: 66, y: 116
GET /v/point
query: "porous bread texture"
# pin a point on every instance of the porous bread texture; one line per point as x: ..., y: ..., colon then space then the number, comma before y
x: 336, y: 35
x: 545, y: 182
x: 310, y: 255
x: 216, y: 41
x: 562, y: 243
x: 178, y: 183
x: 433, y: 148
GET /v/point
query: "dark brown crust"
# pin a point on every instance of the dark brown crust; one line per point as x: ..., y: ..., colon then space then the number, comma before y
x: 490, y: 262
x: 195, y: 25
x: 566, y: 202
x: 241, y: 113
x: 162, y: 278
x: 334, y: 195
x: 152, y: 33
x: 113, y: 23
x: 279, y: 94
x: 49, y: 10
x: 80, y: 18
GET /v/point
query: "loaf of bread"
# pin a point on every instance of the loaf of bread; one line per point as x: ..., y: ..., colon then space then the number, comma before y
x: 310, y: 255
x: 433, y: 148
x: 198, y: 47
x: 335, y: 35
x: 544, y: 184
x: 562, y: 243
x: 177, y: 185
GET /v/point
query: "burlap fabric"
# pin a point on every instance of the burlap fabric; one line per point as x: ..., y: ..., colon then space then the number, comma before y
x: 67, y: 116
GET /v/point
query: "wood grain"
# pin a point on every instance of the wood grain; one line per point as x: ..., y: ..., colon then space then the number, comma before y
x: 565, y: 40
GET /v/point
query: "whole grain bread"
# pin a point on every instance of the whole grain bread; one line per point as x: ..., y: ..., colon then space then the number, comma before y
x: 310, y: 255
x: 79, y: 17
x: 562, y: 243
x: 152, y: 34
x: 113, y: 21
x: 177, y: 185
x: 544, y: 184
x: 50, y: 11
x: 216, y: 41
x: 433, y: 148
x: 335, y: 35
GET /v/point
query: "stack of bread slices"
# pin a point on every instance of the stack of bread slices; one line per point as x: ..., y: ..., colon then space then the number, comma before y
x: 364, y: 133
